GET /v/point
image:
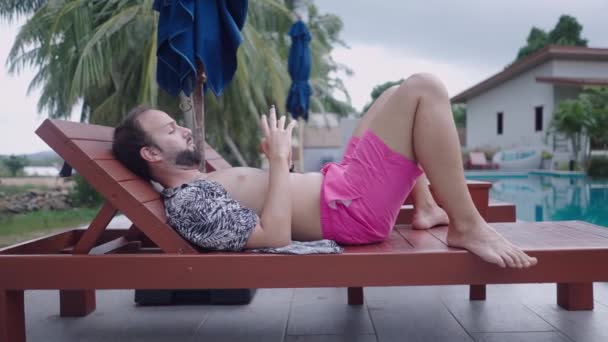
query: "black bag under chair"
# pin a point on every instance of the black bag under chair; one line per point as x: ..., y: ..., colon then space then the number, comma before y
x: 194, y: 297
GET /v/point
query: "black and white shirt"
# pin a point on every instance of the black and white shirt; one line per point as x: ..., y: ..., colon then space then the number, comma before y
x: 203, y: 212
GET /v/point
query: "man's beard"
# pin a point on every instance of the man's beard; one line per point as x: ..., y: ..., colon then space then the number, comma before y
x: 188, y: 158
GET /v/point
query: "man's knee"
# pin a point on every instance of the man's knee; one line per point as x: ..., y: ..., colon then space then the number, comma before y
x: 424, y: 83
x: 390, y: 91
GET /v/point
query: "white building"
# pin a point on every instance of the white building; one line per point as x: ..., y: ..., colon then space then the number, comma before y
x: 325, y: 137
x: 514, y: 108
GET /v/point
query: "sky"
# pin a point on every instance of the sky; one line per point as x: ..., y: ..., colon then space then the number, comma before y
x: 462, y: 42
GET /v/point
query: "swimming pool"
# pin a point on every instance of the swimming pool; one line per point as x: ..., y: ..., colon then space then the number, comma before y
x: 551, y: 198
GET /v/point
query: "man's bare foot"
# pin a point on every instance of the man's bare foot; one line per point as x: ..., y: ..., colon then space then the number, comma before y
x: 485, y: 242
x: 429, y: 217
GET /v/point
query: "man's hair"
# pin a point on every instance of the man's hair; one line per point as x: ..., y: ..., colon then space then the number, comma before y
x: 129, y: 138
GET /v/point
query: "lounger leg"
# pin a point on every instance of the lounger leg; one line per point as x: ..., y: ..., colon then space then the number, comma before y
x: 477, y: 292
x: 575, y: 296
x: 355, y: 296
x: 76, y: 303
x: 12, y: 316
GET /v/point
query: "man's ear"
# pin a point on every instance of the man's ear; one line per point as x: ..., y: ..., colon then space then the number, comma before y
x: 150, y: 154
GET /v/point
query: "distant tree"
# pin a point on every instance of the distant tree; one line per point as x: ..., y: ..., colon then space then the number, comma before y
x: 583, y: 119
x: 378, y: 90
x: 570, y: 119
x: 537, y: 39
x: 460, y: 114
x: 597, y: 98
x: 567, y: 31
x: 14, y: 164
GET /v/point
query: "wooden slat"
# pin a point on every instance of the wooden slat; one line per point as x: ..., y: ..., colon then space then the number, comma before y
x: 543, y: 235
x: 395, y: 244
x: 96, y: 150
x: 116, y: 194
x: 141, y: 190
x: 497, y: 212
x: 116, y: 170
x: 49, y: 244
x: 76, y: 130
x: 238, y: 270
x: 95, y: 230
x: 118, y: 244
x: 471, y: 185
x: 424, y: 240
x: 585, y: 227
x: 157, y: 208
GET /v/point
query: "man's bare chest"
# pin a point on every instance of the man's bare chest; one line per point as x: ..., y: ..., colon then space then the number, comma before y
x: 248, y: 186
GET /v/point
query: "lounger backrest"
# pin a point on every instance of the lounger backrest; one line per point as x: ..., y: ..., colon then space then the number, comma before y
x: 88, y: 149
x: 478, y: 158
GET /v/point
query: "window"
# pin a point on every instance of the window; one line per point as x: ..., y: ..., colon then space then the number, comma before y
x: 499, y: 117
x: 538, y: 118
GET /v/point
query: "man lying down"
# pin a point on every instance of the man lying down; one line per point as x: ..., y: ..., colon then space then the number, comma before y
x: 409, y: 128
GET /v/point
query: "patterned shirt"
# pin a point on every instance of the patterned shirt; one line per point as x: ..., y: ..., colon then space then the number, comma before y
x: 203, y: 213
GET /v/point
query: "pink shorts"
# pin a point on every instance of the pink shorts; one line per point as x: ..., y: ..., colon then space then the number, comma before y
x: 361, y: 196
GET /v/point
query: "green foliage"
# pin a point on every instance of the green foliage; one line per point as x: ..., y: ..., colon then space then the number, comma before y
x: 83, y: 194
x: 598, y: 167
x: 597, y: 98
x: 15, y: 164
x: 582, y: 118
x: 9, y: 190
x: 567, y: 31
x: 14, y: 228
x: 537, y: 39
x: 378, y: 90
x: 460, y: 114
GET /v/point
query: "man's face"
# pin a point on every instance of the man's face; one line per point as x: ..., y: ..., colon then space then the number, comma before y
x: 175, y: 144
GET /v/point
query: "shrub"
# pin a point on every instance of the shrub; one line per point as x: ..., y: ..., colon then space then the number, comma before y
x: 598, y: 167
x: 83, y: 194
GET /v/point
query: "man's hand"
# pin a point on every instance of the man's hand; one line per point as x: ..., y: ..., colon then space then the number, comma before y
x: 276, y: 143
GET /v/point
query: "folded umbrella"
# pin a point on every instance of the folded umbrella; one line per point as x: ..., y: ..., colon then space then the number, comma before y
x: 299, y: 70
x: 191, y: 32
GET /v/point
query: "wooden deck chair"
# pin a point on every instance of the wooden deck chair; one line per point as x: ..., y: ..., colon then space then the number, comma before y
x: 477, y: 160
x: 151, y: 255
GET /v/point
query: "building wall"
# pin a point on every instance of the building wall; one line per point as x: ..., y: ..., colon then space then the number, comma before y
x: 581, y: 69
x: 516, y: 99
x: 315, y: 157
x: 324, y: 144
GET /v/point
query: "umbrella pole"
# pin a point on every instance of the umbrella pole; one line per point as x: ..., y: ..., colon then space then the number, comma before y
x: 199, y: 114
x: 301, y: 123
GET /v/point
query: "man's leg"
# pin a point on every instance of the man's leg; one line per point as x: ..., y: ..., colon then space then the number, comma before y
x: 427, y: 213
x: 417, y: 122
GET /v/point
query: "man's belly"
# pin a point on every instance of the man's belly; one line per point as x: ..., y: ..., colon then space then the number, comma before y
x: 249, y: 186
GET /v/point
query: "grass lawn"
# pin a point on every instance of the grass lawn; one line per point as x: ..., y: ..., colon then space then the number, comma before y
x: 15, y: 228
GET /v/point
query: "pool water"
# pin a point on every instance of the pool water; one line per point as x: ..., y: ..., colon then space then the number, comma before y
x: 551, y: 198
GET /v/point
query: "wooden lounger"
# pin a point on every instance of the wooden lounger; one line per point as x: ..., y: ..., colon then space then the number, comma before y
x: 151, y: 255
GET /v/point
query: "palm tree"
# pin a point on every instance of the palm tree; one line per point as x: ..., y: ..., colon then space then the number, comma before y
x: 101, y: 54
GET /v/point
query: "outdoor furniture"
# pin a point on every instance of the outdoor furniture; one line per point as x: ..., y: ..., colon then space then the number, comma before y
x: 477, y: 160
x: 151, y: 255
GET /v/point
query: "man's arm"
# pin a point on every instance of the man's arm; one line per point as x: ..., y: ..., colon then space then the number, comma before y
x: 274, y: 226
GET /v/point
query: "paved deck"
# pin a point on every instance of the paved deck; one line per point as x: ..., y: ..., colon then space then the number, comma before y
x: 426, y: 313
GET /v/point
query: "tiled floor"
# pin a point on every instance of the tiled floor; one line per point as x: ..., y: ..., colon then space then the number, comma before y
x: 430, y: 313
